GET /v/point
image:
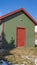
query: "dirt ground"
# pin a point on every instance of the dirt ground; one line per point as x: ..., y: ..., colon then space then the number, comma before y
x: 22, y: 56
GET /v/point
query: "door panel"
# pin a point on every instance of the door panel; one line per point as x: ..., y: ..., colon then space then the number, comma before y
x: 21, y: 37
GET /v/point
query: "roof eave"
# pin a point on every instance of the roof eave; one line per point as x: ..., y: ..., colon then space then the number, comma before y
x: 16, y: 11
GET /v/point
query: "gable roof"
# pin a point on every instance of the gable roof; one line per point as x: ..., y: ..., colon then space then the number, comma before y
x: 19, y: 10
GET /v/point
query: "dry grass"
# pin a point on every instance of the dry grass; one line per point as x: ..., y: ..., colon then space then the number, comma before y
x: 19, y: 55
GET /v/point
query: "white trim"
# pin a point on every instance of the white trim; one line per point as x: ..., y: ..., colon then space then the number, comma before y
x: 35, y: 42
x: 36, y: 28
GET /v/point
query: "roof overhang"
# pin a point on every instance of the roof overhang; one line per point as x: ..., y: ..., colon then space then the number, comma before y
x: 19, y: 10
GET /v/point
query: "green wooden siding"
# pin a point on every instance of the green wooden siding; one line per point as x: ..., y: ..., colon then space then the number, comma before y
x: 19, y: 20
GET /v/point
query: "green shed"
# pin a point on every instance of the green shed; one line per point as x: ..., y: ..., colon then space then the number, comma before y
x: 17, y: 29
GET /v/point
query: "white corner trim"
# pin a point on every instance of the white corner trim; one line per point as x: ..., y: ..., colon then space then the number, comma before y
x: 35, y: 28
x: 36, y: 42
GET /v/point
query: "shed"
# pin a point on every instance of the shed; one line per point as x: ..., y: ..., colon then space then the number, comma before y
x: 18, y: 29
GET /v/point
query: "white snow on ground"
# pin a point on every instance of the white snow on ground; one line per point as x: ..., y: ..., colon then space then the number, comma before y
x: 3, y: 62
x: 31, y: 58
x: 36, y: 61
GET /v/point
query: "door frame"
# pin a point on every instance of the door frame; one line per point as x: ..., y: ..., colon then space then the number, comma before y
x: 17, y: 35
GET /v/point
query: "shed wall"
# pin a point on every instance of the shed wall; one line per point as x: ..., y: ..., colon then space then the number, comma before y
x: 19, y: 20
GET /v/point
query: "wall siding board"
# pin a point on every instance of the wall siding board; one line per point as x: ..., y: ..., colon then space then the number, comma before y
x: 12, y: 22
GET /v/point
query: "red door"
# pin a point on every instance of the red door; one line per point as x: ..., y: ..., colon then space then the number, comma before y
x: 21, y: 37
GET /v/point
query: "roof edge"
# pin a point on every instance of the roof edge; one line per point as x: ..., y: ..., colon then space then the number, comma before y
x: 16, y: 11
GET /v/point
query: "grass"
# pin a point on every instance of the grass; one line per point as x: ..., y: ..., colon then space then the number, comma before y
x: 19, y: 55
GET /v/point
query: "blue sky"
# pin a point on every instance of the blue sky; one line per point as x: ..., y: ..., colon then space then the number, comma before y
x: 30, y: 6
